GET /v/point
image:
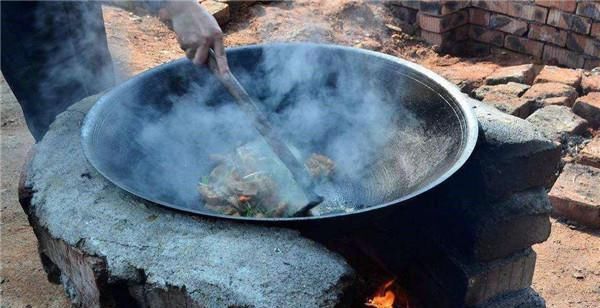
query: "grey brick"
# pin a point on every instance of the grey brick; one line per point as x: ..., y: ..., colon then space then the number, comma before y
x: 526, y: 298
x: 509, y: 145
x: 589, y: 9
x: 449, y: 281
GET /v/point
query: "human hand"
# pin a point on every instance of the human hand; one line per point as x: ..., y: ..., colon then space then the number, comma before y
x: 197, y: 31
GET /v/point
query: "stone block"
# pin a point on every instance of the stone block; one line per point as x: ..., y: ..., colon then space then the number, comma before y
x: 509, y: 145
x: 498, y: 229
x: 568, y: 21
x: 526, y: 298
x: 443, y: 23
x: 527, y: 11
x: 555, y: 122
x: 542, y: 91
x: 518, y: 107
x: 501, y: 91
x: 479, y: 17
x: 562, y: 56
x: 547, y: 34
x: 589, y: 9
x: 576, y: 194
x: 590, y: 154
x: 563, y: 5
x: 523, y: 45
x: 482, y: 34
x: 590, y: 83
x: 219, y: 10
x: 566, y: 76
x: 588, y: 107
x: 583, y: 44
x: 508, y: 24
x: 519, y: 73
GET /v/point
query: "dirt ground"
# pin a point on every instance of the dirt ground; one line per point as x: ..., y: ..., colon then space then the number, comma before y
x: 568, y: 266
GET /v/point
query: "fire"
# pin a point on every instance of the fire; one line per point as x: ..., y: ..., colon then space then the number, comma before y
x: 243, y: 198
x: 384, y: 298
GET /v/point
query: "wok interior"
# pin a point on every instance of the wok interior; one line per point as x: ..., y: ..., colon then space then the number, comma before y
x: 390, y: 130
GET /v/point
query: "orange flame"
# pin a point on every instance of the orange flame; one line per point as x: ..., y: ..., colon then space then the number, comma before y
x: 244, y: 198
x: 384, y: 298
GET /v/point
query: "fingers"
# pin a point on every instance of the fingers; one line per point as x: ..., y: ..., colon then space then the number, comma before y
x: 190, y: 53
x: 201, y: 53
x: 219, y: 49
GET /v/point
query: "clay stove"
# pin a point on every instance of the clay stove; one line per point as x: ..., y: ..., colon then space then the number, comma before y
x: 467, y: 244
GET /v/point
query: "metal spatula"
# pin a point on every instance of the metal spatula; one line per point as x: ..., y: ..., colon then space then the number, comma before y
x: 273, y: 139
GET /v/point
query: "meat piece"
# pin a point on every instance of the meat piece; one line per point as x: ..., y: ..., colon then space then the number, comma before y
x: 252, y: 182
x: 320, y: 166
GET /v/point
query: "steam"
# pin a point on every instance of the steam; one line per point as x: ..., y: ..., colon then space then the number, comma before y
x: 71, y: 61
x: 318, y: 102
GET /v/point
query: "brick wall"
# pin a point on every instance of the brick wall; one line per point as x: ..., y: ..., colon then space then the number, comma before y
x: 563, y: 32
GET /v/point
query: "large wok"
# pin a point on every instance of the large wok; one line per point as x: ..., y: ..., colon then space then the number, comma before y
x: 153, y: 135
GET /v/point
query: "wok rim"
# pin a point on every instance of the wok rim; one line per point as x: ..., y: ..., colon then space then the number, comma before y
x: 468, y: 140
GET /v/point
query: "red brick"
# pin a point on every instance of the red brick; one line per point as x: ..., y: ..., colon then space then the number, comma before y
x: 583, y: 44
x: 509, y: 53
x: 485, y: 35
x: 590, y: 154
x: 413, y: 4
x: 542, y: 91
x: 595, y: 30
x: 576, y: 194
x: 568, y: 21
x: 499, y: 6
x: 563, y: 5
x: 590, y: 83
x: 447, y: 40
x: 479, y: 17
x: 519, y: 107
x: 590, y: 64
x: 467, y: 76
x: 443, y: 23
x: 589, y: 9
x: 527, y: 11
x: 524, y: 45
x: 440, y: 8
x: 518, y: 73
x: 454, y: 6
x: 501, y: 91
x: 557, y: 101
x: 547, y: 34
x: 508, y: 24
x: 562, y: 56
x: 566, y: 76
x: 405, y: 14
x: 588, y: 107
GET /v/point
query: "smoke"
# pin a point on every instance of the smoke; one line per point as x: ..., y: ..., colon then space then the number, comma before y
x: 320, y: 102
x: 68, y: 52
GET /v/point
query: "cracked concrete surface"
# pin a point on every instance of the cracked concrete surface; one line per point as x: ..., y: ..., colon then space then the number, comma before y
x: 215, y: 263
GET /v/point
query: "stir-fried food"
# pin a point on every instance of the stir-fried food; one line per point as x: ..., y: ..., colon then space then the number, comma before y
x: 252, y: 182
